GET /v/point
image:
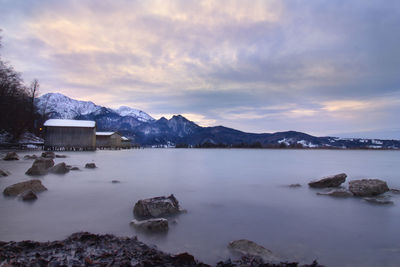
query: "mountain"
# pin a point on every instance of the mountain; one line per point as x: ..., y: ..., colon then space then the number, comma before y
x: 144, y: 130
x: 59, y: 106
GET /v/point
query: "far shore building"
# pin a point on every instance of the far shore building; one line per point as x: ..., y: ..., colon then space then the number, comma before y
x: 108, y: 140
x: 72, y: 135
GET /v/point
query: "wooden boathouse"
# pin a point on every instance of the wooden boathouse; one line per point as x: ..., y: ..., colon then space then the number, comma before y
x: 108, y: 140
x: 75, y: 135
x: 126, y: 142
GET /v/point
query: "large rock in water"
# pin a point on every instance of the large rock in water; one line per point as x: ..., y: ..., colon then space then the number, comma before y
x: 11, y: 156
x: 151, y: 225
x: 16, y: 189
x: 156, y: 207
x: 329, y: 181
x: 250, y: 248
x: 40, y: 166
x: 60, y: 168
x: 368, y: 187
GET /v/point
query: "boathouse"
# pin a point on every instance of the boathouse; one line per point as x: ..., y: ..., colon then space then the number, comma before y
x: 73, y: 135
x: 126, y: 142
x: 108, y: 140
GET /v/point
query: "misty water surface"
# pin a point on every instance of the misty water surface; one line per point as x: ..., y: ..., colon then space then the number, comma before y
x: 229, y: 194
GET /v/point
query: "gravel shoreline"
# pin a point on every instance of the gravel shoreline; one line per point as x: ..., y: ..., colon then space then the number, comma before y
x: 86, y: 249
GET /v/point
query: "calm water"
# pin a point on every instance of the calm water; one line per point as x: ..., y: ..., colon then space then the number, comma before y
x: 229, y: 194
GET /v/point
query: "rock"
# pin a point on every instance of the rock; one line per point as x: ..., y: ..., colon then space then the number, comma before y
x: 337, y: 193
x: 30, y: 157
x: 48, y: 155
x: 368, y: 187
x: 74, y: 169
x: 151, y: 225
x: 90, y: 165
x: 250, y: 248
x: 394, y: 191
x: 379, y: 200
x: 329, y: 181
x: 40, y: 166
x: 16, y: 189
x: 28, y: 195
x: 115, y: 181
x: 60, y: 168
x: 11, y: 156
x: 156, y: 207
x: 61, y: 156
x: 294, y: 185
x: 4, y: 173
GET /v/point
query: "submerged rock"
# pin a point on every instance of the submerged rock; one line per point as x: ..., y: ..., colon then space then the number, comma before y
x: 250, y: 248
x: 60, y: 168
x: 337, y: 193
x: 18, y: 188
x: 294, y: 185
x: 379, y: 200
x: 115, y: 181
x: 11, y: 156
x: 48, y: 155
x: 329, y: 181
x: 90, y: 165
x: 394, y: 191
x: 151, y: 225
x: 61, y: 156
x: 157, y: 207
x: 75, y: 169
x: 30, y: 157
x: 368, y: 187
x: 4, y: 173
x: 28, y: 196
x: 40, y: 166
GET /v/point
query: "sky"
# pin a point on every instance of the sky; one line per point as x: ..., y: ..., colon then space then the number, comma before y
x: 321, y: 67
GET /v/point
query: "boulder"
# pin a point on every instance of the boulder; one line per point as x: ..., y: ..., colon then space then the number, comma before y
x: 30, y: 157
x: 250, y: 248
x: 60, y: 168
x: 48, y: 155
x: 74, y: 169
x: 40, y: 166
x: 156, y: 207
x: 90, y: 165
x: 337, y: 193
x: 368, y: 187
x: 16, y: 189
x: 151, y: 225
x: 11, y: 156
x: 61, y: 156
x: 28, y: 196
x: 4, y: 173
x: 379, y: 200
x: 329, y: 181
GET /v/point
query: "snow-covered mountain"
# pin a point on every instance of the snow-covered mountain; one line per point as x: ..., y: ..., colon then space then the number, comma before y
x: 131, y: 112
x: 59, y: 106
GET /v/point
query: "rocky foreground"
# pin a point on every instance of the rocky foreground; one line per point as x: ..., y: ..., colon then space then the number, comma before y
x: 86, y: 249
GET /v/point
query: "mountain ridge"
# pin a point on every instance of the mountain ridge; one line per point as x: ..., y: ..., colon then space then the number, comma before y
x: 178, y: 130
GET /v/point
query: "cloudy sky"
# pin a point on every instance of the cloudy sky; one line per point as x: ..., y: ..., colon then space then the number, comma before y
x: 321, y: 67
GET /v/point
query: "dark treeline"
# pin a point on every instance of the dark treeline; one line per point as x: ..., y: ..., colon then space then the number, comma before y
x: 17, y: 106
x: 240, y: 145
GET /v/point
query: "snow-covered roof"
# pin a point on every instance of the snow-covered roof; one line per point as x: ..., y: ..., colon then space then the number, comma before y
x: 106, y: 133
x: 124, y: 138
x: 70, y: 123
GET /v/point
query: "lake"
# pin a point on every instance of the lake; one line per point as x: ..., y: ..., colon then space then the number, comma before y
x: 229, y: 194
